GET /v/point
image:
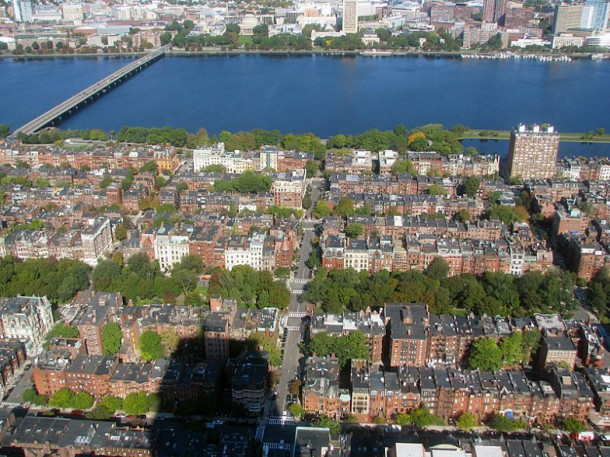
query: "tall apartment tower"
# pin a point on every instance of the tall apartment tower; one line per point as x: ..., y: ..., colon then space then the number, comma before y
x: 567, y: 17
x: 598, y: 14
x: 532, y: 153
x: 350, y: 16
x: 22, y: 10
x: 494, y: 11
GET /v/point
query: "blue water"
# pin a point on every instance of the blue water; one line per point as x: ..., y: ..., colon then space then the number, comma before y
x: 322, y: 94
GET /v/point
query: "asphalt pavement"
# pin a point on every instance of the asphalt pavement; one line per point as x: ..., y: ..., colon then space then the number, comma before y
x: 24, y: 383
x: 292, y: 355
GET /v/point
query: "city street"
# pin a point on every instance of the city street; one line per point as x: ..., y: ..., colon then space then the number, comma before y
x: 292, y: 355
x: 23, y: 384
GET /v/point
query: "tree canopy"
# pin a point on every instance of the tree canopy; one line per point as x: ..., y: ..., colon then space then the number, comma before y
x: 138, y: 279
x: 345, y: 348
x: 111, y: 338
x: 150, y: 346
x: 58, y: 280
x: 250, y: 287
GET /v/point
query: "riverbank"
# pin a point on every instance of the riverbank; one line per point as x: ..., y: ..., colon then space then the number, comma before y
x: 111, y: 55
x: 219, y: 51
x: 568, y: 137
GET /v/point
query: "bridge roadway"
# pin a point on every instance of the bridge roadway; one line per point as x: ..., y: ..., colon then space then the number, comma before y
x: 67, y: 107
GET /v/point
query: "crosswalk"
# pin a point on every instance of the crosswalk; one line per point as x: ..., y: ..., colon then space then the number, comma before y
x: 297, y: 314
x: 299, y: 281
x: 294, y: 328
x: 281, y: 420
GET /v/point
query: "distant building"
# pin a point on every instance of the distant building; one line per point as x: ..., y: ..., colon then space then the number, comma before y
x: 350, y: 16
x: 97, y: 239
x: 170, y: 247
x: 27, y: 319
x: 556, y: 350
x: 598, y: 13
x: 22, y: 10
x: 567, y: 17
x: 407, y: 333
x: 494, y: 11
x: 249, y: 383
x: 533, y: 152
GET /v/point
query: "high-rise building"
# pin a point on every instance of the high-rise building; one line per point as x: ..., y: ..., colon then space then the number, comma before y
x: 494, y: 11
x: 22, y: 10
x: 567, y: 17
x: 350, y: 16
x: 532, y: 153
x: 599, y: 14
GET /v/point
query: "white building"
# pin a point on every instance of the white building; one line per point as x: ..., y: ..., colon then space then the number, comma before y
x: 387, y: 158
x: 357, y: 255
x: 97, y: 239
x: 22, y: 10
x: 27, y: 319
x: 72, y: 12
x: 350, y: 16
x: 233, y: 162
x: 245, y: 250
x: 170, y: 248
x: 362, y: 161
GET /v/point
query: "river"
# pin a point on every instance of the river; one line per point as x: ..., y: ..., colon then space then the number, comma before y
x: 322, y: 94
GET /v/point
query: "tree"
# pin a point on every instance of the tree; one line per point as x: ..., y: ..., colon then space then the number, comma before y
x: 154, y: 402
x: 572, y: 426
x: 105, y: 182
x: 150, y: 166
x: 111, y: 338
x: 421, y: 418
x: 462, y: 216
x: 345, y: 207
x: 31, y: 396
x: 419, y: 144
x: 41, y: 182
x: 403, y: 419
x: 82, y: 400
x: 4, y: 130
x: 512, y: 349
x: 504, y: 424
x: 261, y: 341
x: 296, y: 410
x: 345, y: 348
x: 112, y: 403
x: 322, y: 209
x: 467, y: 421
x: 494, y: 197
x: 438, y: 269
x: 312, y: 167
x: 120, y: 232
x: 170, y: 340
x: 485, y: 355
x: 295, y: 387
x: 354, y: 230
x: 99, y: 413
x: 403, y: 166
x: 326, y: 422
x: 436, y: 189
x: 136, y: 404
x: 117, y: 257
x: 471, y: 186
x: 150, y: 346
x: 61, y: 399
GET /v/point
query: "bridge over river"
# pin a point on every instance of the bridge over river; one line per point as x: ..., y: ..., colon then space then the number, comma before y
x: 66, y: 108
